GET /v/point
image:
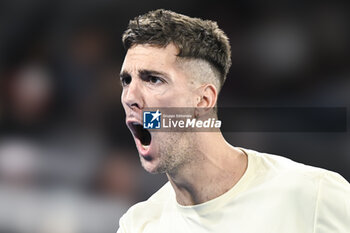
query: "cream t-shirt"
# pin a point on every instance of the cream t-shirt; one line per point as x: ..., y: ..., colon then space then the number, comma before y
x: 274, y: 195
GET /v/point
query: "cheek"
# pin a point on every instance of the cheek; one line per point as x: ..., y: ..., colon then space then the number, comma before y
x: 185, y: 99
x: 174, y: 99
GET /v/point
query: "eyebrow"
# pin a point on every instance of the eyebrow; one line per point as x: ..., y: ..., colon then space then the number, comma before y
x: 124, y: 74
x: 143, y: 73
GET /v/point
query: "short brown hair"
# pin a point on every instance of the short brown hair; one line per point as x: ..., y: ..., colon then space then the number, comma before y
x: 194, y: 37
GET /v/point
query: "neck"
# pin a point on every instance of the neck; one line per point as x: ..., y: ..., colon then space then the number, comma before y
x: 215, y: 168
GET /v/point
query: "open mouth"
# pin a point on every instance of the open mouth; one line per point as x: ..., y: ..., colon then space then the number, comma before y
x: 140, y: 133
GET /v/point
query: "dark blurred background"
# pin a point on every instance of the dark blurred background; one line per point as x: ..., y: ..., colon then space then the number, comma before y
x: 68, y: 163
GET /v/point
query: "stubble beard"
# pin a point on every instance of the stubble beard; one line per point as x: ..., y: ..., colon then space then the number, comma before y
x: 176, y: 150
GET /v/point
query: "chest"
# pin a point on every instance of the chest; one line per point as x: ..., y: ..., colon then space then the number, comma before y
x: 267, y: 213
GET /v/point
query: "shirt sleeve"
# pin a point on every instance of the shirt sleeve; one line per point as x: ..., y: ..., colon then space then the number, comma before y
x: 121, y: 228
x: 333, y: 205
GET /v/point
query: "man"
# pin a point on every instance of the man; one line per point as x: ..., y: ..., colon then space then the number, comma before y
x: 175, y: 61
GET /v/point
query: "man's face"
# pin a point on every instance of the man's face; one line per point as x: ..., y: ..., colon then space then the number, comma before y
x: 152, y: 78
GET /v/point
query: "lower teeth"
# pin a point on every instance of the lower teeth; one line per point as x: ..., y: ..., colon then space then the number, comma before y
x: 145, y: 147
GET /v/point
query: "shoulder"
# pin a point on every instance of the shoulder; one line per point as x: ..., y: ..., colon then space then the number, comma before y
x: 148, y: 210
x: 279, y: 165
x: 333, y: 204
x: 327, y: 192
x: 294, y: 175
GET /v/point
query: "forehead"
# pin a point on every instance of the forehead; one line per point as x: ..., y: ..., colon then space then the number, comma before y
x: 150, y: 57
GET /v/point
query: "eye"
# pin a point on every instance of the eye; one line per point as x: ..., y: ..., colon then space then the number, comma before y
x: 125, y: 80
x: 155, y: 80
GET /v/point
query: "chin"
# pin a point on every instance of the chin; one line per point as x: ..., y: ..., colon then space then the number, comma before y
x: 150, y: 166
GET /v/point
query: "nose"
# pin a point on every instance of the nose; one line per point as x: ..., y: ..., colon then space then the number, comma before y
x: 132, y: 95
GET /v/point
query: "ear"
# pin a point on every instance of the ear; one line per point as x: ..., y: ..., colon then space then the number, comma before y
x: 208, y: 96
